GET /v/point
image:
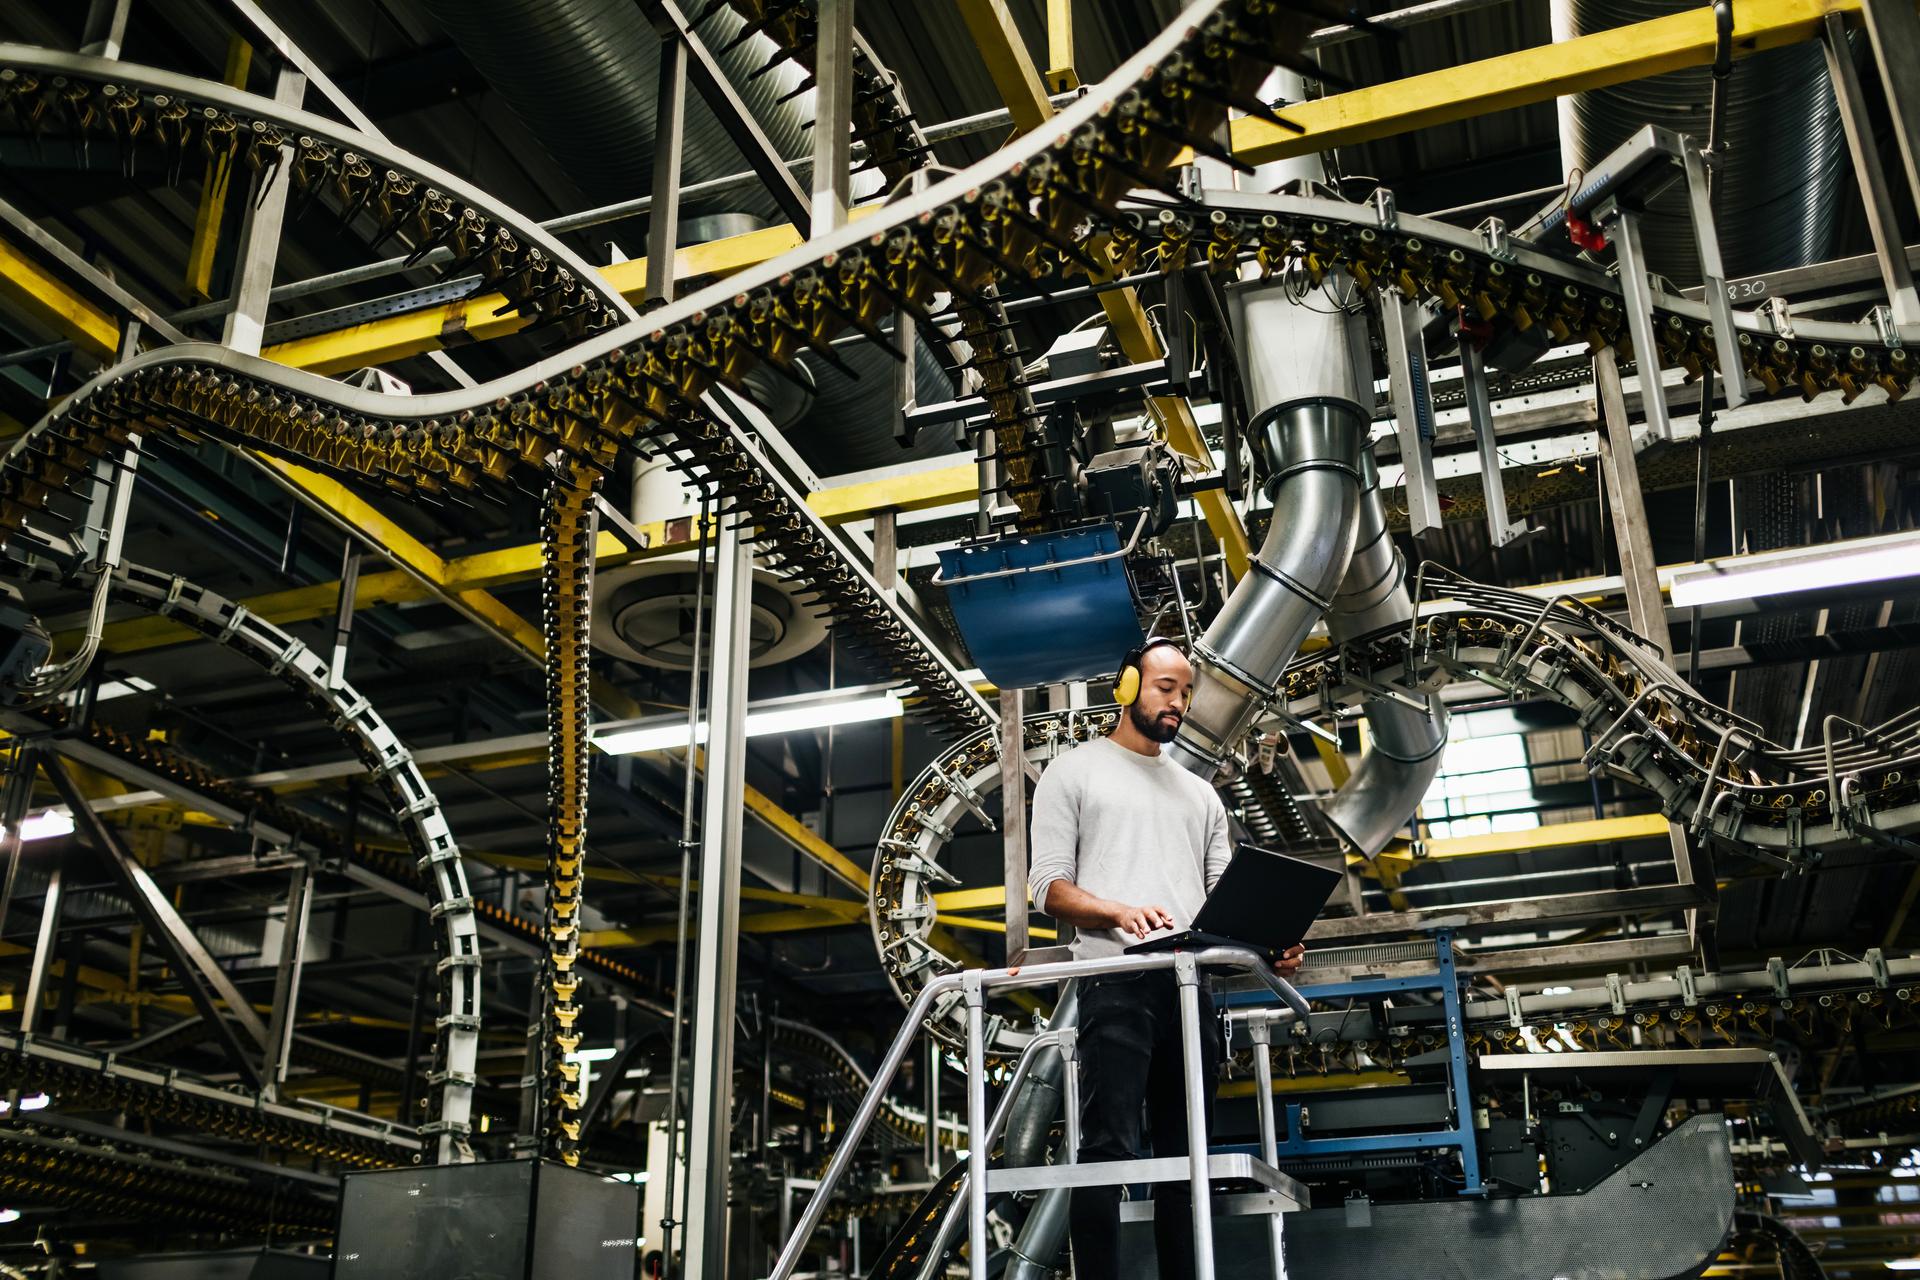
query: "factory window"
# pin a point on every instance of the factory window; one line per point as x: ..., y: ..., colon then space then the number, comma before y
x: 1484, y: 785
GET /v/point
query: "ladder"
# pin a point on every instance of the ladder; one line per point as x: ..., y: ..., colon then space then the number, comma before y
x: 1276, y: 1194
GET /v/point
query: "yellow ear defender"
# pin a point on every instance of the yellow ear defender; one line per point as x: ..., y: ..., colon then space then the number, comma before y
x: 1126, y: 685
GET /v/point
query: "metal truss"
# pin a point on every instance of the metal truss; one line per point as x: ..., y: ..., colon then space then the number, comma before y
x: 1713, y: 771
x: 1019, y: 214
x: 391, y: 766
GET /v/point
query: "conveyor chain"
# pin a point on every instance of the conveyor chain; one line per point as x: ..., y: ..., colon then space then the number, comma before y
x: 566, y: 588
x: 90, y: 101
x: 1711, y: 769
x: 85, y: 1079
x: 57, y: 1168
x: 882, y: 124
x: 988, y: 354
x: 269, y: 810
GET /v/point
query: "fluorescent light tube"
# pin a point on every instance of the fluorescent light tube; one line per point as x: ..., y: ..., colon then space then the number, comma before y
x: 665, y: 737
x: 760, y: 724
x: 825, y: 715
x: 46, y: 826
x: 1816, y: 568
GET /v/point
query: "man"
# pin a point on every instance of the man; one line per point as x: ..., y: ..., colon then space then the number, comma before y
x: 1125, y: 844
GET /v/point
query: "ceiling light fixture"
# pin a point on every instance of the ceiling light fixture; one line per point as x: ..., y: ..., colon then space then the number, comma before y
x: 1867, y: 560
x: 46, y: 826
x: 817, y: 715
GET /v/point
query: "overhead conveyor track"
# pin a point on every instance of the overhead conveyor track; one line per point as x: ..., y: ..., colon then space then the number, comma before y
x: 1026, y: 212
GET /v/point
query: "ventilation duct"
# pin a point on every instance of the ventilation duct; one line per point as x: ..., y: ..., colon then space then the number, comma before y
x: 643, y: 612
x: 1776, y: 188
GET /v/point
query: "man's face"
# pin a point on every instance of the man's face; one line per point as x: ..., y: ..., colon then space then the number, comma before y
x: 1166, y: 687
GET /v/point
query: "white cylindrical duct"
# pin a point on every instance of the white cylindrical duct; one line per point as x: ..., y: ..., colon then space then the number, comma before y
x: 643, y: 611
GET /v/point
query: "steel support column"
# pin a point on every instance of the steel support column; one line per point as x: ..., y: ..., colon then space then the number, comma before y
x: 196, y: 969
x: 732, y: 113
x: 1013, y: 819
x: 1400, y: 327
x: 715, y: 987
x: 106, y: 28
x: 1883, y: 220
x: 43, y: 943
x: 663, y: 225
x: 286, y: 981
x: 833, y: 117
x: 246, y: 323
x: 1626, y: 504
x: 1893, y: 26
x: 1646, y: 609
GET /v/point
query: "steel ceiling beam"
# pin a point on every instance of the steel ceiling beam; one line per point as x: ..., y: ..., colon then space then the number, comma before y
x: 1528, y: 76
x: 1021, y: 86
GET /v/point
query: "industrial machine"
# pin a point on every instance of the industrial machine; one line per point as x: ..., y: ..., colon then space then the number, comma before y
x: 1426, y: 1103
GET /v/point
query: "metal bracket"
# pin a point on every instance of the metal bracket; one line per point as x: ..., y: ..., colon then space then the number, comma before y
x: 1493, y: 234
x: 1616, y: 993
x: 1776, y: 313
x: 1877, y: 961
x: 1777, y: 970
x: 1688, y: 996
x: 1881, y: 318
x: 1384, y: 210
x: 1515, y: 1019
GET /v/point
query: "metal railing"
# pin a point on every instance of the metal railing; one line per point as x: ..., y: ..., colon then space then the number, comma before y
x: 974, y: 985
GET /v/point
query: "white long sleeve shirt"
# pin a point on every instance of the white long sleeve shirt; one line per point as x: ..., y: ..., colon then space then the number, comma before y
x: 1131, y: 828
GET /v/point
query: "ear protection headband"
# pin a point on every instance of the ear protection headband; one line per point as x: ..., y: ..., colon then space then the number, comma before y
x: 1126, y: 685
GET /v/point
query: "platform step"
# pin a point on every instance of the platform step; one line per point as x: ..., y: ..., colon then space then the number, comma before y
x: 1236, y: 1166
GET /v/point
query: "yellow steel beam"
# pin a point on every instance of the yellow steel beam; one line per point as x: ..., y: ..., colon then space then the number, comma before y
x: 1019, y: 83
x: 487, y: 316
x: 972, y: 899
x: 830, y: 913
x: 1008, y: 62
x: 801, y: 837
x: 915, y: 491
x: 1528, y: 76
x: 1061, y: 76
x: 1556, y: 835
x: 1305, y: 1084
x: 992, y: 926
x: 357, y: 515
x: 44, y: 301
x: 214, y: 184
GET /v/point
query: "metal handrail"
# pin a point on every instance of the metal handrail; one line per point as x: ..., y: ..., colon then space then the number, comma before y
x: 974, y: 984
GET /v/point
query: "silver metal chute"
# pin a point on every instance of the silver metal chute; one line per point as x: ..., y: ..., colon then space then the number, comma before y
x: 1327, y: 554
x: 1398, y: 767
x: 1298, y: 368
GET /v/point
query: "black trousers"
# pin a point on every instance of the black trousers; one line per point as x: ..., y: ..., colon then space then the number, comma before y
x: 1130, y: 1067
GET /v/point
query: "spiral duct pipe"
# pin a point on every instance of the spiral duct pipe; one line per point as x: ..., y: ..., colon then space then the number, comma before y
x: 1776, y: 187
x: 1298, y: 370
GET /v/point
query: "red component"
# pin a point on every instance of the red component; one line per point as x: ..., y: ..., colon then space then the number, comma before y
x: 1475, y: 330
x: 1583, y: 234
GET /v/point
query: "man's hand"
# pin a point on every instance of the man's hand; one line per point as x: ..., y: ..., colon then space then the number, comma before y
x: 1140, y: 921
x: 1289, y: 962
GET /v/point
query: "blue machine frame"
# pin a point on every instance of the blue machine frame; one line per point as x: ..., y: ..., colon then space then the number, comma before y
x: 1445, y: 980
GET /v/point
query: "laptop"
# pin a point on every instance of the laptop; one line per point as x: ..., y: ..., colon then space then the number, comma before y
x: 1265, y: 900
